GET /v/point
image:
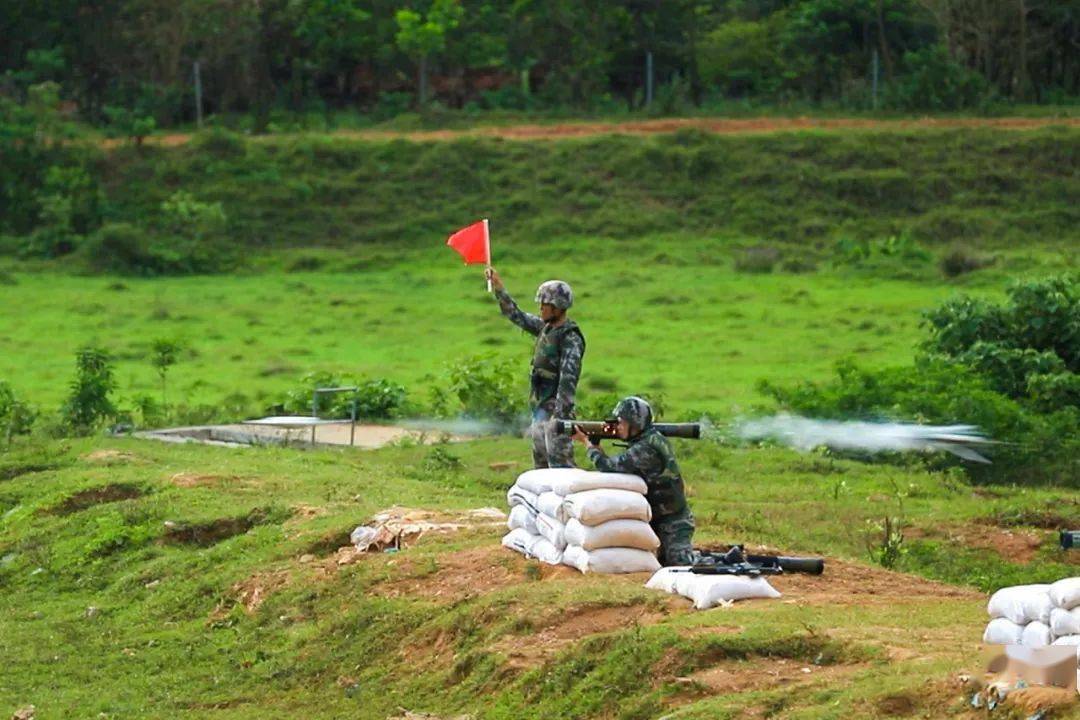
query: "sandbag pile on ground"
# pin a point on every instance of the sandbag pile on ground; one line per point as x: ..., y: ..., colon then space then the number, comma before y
x: 1035, y: 615
x: 708, y: 591
x: 592, y: 521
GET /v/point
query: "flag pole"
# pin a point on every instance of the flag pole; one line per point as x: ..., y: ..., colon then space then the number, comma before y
x: 487, y: 244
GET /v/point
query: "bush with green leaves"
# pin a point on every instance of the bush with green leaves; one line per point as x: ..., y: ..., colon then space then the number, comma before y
x: 482, y: 387
x: 16, y: 417
x: 89, y: 405
x: 931, y: 80
x: 376, y: 399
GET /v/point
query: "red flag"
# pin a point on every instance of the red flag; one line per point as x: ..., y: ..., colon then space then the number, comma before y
x: 473, y: 243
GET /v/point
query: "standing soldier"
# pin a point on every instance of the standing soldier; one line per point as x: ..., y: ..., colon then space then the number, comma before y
x: 650, y: 456
x: 556, y: 366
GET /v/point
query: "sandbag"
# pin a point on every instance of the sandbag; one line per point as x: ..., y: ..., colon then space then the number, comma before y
x: 519, y: 540
x: 569, y: 484
x: 551, y: 529
x: 712, y: 590
x: 1009, y: 602
x: 610, y: 560
x: 540, y: 480
x: 1036, y: 634
x: 1065, y: 594
x: 592, y: 507
x: 1068, y: 640
x: 1001, y: 631
x: 613, y: 533
x: 664, y: 578
x: 544, y: 551
x: 551, y: 505
x: 522, y: 517
x: 1065, y: 622
x: 519, y: 496
x: 1037, y: 607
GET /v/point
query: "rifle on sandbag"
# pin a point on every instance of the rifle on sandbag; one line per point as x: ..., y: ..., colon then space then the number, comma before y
x: 736, y: 562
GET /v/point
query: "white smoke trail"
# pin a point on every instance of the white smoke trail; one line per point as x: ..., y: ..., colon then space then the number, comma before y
x: 458, y: 426
x: 805, y: 434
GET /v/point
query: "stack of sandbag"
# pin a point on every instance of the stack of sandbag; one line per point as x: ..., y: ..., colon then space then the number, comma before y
x: 708, y: 591
x: 592, y: 521
x: 1035, y: 615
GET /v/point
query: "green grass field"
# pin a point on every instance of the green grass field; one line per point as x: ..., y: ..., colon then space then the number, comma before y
x: 147, y: 580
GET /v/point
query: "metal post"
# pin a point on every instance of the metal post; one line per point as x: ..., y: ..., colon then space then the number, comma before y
x: 648, y: 78
x: 198, y: 96
x: 874, y: 72
x: 352, y: 427
x: 314, y: 413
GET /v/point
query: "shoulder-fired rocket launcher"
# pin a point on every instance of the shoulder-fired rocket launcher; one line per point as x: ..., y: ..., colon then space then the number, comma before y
x: 607, y: 430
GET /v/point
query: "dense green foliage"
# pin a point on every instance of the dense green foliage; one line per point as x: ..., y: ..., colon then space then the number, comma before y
x: 1009, y: 368
x: 89, y: 403
x: 131, y: 63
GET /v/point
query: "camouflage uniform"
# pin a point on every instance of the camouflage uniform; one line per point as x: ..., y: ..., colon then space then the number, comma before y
x: 556, y: 367
x: 650, y: 456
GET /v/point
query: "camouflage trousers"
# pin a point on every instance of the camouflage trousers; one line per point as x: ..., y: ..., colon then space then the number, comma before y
x: 676, y: 533
x: 549, y: 449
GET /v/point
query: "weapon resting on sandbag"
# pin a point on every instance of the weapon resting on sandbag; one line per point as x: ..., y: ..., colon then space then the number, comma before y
x: 736, y: 562
x: 601, y: 429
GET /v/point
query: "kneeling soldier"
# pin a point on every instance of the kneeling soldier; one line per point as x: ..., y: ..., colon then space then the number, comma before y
x: 650, y: 456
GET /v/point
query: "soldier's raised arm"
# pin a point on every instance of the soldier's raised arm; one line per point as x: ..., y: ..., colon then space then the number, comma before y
x: 526, y: 321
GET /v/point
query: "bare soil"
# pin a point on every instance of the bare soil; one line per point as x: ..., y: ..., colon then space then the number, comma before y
x: 96, y: 496
x: 722, y: 126
x: 1011, y: 544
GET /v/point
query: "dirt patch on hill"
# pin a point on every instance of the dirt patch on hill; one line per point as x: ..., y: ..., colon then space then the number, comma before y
x: 96, y: 496
x: 739, y: 676
x: 252, y: 592
x: 10, y: 472
x: 570, y: 625
x: 213, y: 532
x: 109, y: 457
x: 848, y: 583
x: 193, y: 480
x: 1014, y: 545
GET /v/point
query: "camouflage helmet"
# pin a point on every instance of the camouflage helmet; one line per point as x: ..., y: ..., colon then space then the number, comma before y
x: 635, y: 411
x: 555, y: 292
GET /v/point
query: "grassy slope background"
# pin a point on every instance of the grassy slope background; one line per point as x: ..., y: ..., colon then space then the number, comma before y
x: 459, y: 625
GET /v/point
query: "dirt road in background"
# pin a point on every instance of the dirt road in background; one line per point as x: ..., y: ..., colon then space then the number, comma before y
x: 721, y: 126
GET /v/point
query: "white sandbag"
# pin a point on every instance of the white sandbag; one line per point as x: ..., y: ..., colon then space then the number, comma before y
x: 522, y: 517
x: 544, y: 551
x: 593, y: 507
x: 1001, y: 631
x: 1036, y: 634
x: 552, y: 530
x: 520, y: 540
x: 551, y: 505
x: 1068, y: 640
x: 1037, y: 607
x: 540, y: 481
x: 610, y: 560
x: 1065, y: 622
x: 664, y: 578
x: 1065, y: 593
x: 712, y: 590
x: 613, y: 533
x: 519, y: 496
x: 569, y: 484
x: 1008, y: 602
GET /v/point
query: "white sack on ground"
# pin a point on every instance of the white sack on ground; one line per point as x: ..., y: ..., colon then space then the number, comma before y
x: 544, y: 551
x: 1001, y: 631
x: 1066, y: 593
x: 1037, y: 607
x: 664, y: 578
x: 1068, y: 640
x: 551, y: 505
x: 551, y: 529
x: 1008, y: 602
x: 610, y: 560
x: 522, y: 517
x: 520, y: 540
x: 519, y: 496
x: 1036, y: 634
x: 613, y: 533
x: 1065, y: 622
x: 570, y: 484
x: 593, y: 507
x: 541, y: 480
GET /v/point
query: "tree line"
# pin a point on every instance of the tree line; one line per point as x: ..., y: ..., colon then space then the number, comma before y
x: 124, y: 60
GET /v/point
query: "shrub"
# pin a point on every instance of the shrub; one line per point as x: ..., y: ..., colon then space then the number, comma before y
x: 16, y: 417
x: 483, y: 388
x: 220, y: 143
x: 931, y: 80
x: 375, y: 399
x: 88, y: 404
